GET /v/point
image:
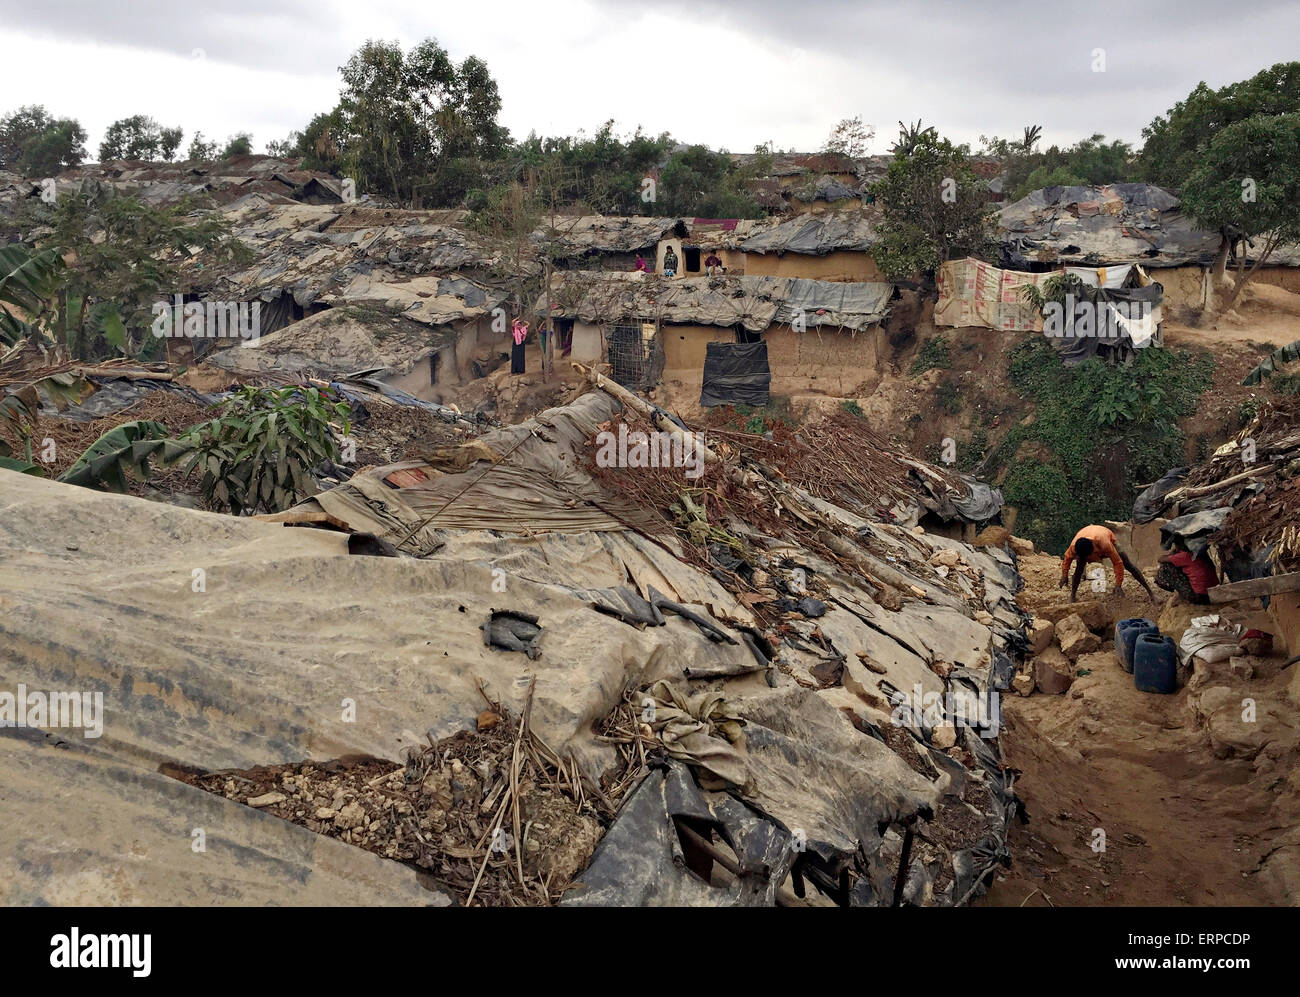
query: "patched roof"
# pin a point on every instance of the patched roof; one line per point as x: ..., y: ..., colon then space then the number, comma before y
x: 753, y: 303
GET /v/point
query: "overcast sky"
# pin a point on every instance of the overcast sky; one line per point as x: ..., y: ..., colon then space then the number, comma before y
x: 727, y: 73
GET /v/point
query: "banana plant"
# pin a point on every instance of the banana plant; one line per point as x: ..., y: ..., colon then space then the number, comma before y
x: 29, y: 280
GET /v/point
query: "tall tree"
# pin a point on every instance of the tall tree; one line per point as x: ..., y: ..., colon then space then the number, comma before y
x: 408, y: 124
x: 1247, y: 184
x: 910, y: 136
x: 934, y: 207
x: 138, y: 137
x: 1177, y: 139
x: 201, y: 149
x: 849, y: 138
x: 34, y: 143
x: 124, y: 255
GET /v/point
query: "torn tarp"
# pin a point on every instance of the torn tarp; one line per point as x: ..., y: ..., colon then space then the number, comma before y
x: 1131, y: 320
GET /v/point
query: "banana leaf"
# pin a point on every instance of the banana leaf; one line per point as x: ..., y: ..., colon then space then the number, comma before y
x: 22, y: 466
x: 122, y: 452
x: 28, y: 281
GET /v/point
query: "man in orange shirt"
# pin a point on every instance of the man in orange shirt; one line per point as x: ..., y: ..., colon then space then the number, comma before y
x: 1092, y: 544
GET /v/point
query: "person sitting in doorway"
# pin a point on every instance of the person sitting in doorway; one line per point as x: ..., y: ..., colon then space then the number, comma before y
x: 713, y: 264
x: 670, y: 262
x: 1091, y: 545
x: 641, y: 265
x: 1188, y: 578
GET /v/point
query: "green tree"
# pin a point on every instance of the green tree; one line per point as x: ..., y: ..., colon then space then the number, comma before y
x: 169, y: 140
x: 1247, y: 182
x: 1092, y: 160
x: 200, y: 149
x: 849, y: 138
x: 909, y: 136
x: 696, y: 181
x: 258, y: 455
x: 319, y: 143
x: 601, y: 171
x: 285, y: 147
x: 411, y: 125
x: 124, y: 255
x: 35, y: 144
x: 238, y: 145
x: 138, y: 137
x: 1176, y: 140
x: 934, y: 207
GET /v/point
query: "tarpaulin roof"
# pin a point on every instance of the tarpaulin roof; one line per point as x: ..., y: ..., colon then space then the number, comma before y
x: 1121, y: 222
x: 223, y: 180
x: 336, y: 341
x: 751, y: 302
x: 578, y: 236
x: 817, y: 235
x: 339, y: 253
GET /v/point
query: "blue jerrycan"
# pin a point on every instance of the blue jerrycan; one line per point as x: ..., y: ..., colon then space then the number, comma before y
x: 1155, y: 664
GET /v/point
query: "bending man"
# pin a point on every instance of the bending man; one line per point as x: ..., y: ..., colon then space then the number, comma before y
x: 1092, y: 544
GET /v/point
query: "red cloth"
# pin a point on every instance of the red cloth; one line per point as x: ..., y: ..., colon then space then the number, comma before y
x: 1199, y: 571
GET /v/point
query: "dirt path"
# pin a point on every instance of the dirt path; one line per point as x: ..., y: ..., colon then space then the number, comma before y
x: 1263, y: 314
x: 1181, y: 827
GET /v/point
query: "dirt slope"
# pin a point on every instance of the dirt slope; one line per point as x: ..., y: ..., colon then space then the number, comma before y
x: 1181, y: 826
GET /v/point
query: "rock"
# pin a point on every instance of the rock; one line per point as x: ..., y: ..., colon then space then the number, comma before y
x: 325, y: 813
x: 437, y: 786
x: 983, y: 616
x: 1023, y: 684
x: 871, y: 664
x: 918, y: 530
x: 1074, y: 637
x: 941, y: 570
x: 1021, y: 546
x: 1259, y: 647
x: 350, y: 816
x: 1242, y: 668
x: 1040, y: 633
x: 267, y: 800
x: 761, y: 578
x: 946, y: 556
x: 1095, y: 616
x: 992, y: 536
x: 943, y: 737
x: 1053, y: 672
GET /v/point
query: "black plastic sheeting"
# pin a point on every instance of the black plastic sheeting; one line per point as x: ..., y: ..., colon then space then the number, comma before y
x: 113, y: 395
x: 1193, y: 532
x: 1076, y: 349
x: 736, y: 374
x: 1151, y: 502
x: 641, y: 861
